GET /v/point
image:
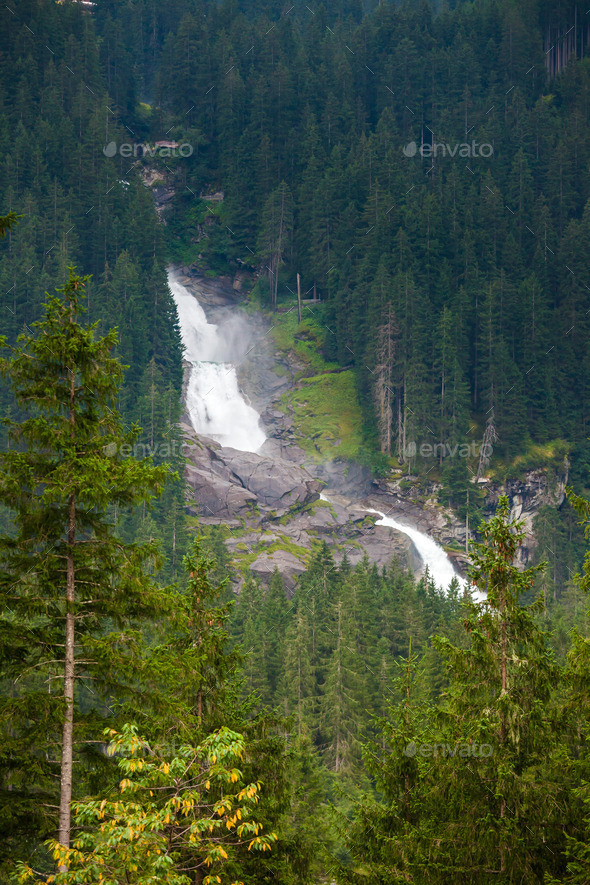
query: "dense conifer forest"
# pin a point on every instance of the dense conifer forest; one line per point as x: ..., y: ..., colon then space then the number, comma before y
x: 422, y: 171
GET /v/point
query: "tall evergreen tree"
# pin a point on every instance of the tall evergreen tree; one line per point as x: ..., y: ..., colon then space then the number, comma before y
x: 483, y: 763
x: 70, y: 588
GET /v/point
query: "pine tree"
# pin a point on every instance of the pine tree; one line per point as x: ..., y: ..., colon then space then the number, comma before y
x: 273, y: 632
x: 297, y: 684
x: 340, y: 708
x: 489, y: 746
x: 500, y: 696
x: 576, y: 709
x: 201, y: 644
x: 381, y: 835
x: 248, y: 630
x: 65, y: 576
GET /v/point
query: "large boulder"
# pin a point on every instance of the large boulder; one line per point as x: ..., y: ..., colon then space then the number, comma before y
x: 289, y: 566
x: 276, y: 484
x: 215, y: 496
x: 230, y: 483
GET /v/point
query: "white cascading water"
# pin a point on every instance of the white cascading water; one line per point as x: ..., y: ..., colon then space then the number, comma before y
x: 214, y: 402
x: 432, y: 554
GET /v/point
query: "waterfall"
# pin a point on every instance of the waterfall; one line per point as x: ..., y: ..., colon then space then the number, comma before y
x: 216, y: 406
x: 432, y: 554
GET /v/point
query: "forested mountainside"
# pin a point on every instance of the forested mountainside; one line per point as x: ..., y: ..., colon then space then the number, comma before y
x: 421, y: 171
x: 77, y: 208
x: 455, y: 285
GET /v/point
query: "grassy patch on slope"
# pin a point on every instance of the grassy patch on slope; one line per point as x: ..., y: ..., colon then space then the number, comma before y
x: 304, y: 339
x: 535, y: 456
x: 324, y: 405
x: 327, y: 416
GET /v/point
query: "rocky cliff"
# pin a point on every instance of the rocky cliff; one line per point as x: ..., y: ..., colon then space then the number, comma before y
x: 270, y: 501
x: 527, y: 495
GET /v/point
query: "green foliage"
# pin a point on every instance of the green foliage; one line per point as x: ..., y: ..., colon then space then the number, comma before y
x: 454, y: 302
x: 474, y: 298
x: 63, y: 560
x: 305, y: 340
x: 327, y: 656
x: 377, y: 462
x: 173, y: 815
x: 7, y: 222
x: 486, y: 756
x: 327, y: 415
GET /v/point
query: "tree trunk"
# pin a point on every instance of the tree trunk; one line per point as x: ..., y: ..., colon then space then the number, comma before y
x: 67, y: 744
x: 383, y: 375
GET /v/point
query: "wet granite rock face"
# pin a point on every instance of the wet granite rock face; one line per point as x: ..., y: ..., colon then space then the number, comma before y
x: 269, y: 501
x: 277, y: 484
x: 289, y: 566
x: 537, y: 489
x: 229, y: 483
x: 215, y: 496
x: 527, y: 495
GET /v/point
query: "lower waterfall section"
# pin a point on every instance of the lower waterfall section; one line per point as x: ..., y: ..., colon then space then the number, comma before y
x: 432, y: 554
x: 218, y: 410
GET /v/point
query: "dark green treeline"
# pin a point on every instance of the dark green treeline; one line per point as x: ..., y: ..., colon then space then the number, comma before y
x: 456, y: 285
x: 445, y: 279
x: 57, y: 112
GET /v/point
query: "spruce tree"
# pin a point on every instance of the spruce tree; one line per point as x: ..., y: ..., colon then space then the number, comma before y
x: 499, y: 711
x: 297, y: 684
x: 573, y: 757
x: 484, y: 758
x: 208, y: 669
x: 72, y: 592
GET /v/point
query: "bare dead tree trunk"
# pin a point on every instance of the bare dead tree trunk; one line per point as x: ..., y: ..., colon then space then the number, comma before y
x: 405, y: 417
x: 383, y: 379
x: 400, y: 449
x: 279, y: 248
x: 485, y: 453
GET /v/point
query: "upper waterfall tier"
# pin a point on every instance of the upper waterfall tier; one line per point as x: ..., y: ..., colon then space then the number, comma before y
x: 214, y: 402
